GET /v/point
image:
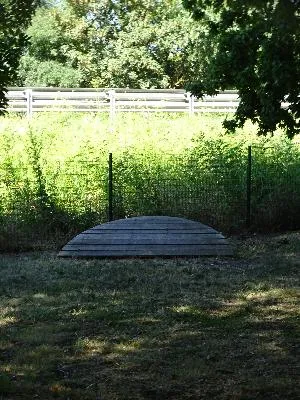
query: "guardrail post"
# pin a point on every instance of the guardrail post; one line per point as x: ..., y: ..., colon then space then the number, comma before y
x: 112, y: 108
x: 191, y: 103
x: 28, y: 94
x: 249, y: 188
x: 110, y: 187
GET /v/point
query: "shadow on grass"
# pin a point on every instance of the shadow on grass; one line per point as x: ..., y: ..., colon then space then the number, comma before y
x: 155, y: 329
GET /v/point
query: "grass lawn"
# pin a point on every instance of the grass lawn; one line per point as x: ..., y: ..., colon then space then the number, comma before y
x: 206, y: 328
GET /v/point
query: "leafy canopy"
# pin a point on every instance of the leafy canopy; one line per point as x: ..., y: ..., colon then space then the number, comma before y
x: 15, y: 16
x: 57, y: 44
x: 106, y: 43
x: 256, y: 49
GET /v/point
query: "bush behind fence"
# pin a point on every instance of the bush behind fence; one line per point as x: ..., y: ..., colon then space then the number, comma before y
x: 45, y: 206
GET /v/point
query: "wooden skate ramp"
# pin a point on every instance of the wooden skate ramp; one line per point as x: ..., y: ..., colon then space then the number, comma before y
x: 158, y: 236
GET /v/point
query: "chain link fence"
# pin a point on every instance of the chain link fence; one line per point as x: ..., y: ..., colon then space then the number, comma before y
x: 44, y: 210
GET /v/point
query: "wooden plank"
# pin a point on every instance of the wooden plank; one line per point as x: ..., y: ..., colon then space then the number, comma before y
x: 155, y: 225
x: 143, y: 247
x: 145, y: 242
x: 148, y: 236
x: 149, y: 230
x: 160, y: 234
x: 147, y: 239
x: 188, y: 251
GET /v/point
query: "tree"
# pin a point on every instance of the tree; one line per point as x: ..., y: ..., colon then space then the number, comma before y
x: 143, y: 44
x: 106, y: 43
x: 150, y: 50
x: 15, y: 16
x: 57, y: 43
x: 256, y: 49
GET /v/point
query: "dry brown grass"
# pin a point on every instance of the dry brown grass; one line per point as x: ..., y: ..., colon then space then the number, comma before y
x: 205, y: 328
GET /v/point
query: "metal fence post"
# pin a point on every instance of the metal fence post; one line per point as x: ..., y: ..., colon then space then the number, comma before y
x: 28, y: 94
x: 110, y: 187
x: 249, y: 187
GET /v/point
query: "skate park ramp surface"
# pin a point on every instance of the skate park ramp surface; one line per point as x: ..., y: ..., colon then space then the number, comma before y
x: 148, y: 236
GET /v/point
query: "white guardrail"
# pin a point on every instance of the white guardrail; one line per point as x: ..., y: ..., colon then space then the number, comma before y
x: 30, y: 100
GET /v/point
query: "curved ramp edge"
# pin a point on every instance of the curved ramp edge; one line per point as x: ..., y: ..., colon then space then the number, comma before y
x: 158, y: 236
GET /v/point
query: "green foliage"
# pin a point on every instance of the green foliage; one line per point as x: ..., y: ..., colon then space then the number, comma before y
x: 47, y: 73
x: 6, y: 385
x: 113, y: 44
x: 151, y: 48
x: 15, y: 16
x: 256, y: 50
x: 57, y: 44
x: 54, y: 178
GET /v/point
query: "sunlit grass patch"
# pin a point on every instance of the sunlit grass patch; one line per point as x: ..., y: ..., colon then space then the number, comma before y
x: 7, y: 320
